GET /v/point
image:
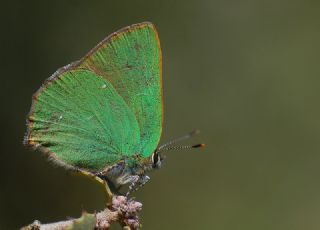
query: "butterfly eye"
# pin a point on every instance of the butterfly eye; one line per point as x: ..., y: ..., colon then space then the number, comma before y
x: 156, y: 160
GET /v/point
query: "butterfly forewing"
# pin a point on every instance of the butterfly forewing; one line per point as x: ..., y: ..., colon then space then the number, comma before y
x: 131, y: 61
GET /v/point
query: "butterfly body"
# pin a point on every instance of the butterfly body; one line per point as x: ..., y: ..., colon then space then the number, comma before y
x: 130, y: 171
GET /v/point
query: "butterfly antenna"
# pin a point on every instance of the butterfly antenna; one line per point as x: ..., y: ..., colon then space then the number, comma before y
x: 181, y: 147
x: 184, y: 137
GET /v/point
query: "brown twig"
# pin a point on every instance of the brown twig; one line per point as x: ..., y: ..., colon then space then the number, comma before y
x: 122, y: 210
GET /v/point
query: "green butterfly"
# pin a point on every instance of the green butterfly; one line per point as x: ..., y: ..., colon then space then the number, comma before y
x: 103, y: 114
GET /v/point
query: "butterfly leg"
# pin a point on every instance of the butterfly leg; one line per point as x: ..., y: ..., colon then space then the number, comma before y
x: 135, y: 185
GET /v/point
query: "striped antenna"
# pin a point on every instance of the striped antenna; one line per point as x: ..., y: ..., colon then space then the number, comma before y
x: 168, y: 146
x: 181, y: 147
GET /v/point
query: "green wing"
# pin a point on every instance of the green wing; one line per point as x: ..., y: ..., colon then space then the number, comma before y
x: 82, y: 121
x: 130, y: 60
x: 107, y: 106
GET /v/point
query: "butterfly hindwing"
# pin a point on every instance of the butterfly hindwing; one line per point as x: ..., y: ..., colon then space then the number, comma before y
x: 82, y: 121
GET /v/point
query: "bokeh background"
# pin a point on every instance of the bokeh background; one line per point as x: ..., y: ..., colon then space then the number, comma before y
x: 246, y: 73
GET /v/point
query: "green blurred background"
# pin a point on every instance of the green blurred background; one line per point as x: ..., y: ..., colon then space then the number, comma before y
x: 246, y: 73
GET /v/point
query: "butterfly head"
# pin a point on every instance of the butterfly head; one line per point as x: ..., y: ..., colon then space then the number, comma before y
x: 156, y: 160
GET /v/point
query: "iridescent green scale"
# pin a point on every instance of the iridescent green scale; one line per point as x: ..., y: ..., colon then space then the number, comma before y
x: 106, y: 107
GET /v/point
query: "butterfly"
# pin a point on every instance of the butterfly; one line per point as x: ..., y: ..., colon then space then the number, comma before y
x: 103, y: 114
